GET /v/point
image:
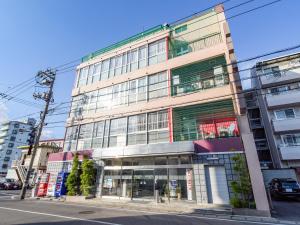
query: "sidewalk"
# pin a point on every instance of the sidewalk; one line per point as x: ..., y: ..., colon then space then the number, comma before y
x: 185, y: 208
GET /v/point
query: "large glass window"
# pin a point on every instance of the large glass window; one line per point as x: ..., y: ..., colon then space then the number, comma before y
x: 158, y: 85
x: 142, y: 56
x: 83, y: 73
x: 104, y: 100
x: 118, y: 65
x: 112, y: 67
x: 117, y: 134
x: 157, y: 52
x: 105, y: 69
x: 137, y: 129
x: 96, y: 72
x: 133, y: 59
x: 158, y: 127
x: 71, y: 138
x: 85, y: 137
x: 98, y: 133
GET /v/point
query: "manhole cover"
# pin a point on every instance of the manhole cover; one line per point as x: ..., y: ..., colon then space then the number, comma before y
x: 86, y: 212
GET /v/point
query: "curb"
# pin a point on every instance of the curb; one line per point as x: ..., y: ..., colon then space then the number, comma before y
x: 152, y: 209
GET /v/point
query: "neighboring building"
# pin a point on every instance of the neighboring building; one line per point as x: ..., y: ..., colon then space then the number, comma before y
x: 159, y: 111
x: 12, y: 135
x: 274, y: 111
x: 39, y: 166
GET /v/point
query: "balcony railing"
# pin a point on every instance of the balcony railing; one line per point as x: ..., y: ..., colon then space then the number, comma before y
x: 256, y: 123
x: 183, y: 47
x: 289, y: 97
x: 290, y: 152
x: 288, y: 124
x: 202, y: 84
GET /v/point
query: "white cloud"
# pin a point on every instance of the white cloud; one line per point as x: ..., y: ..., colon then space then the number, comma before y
x: 3, y: 113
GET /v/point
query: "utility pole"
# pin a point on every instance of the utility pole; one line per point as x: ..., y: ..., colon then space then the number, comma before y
x: 44, y: 78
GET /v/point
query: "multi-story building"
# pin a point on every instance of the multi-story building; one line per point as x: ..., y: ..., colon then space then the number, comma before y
x: 40, y: 162
x: 274, y: 111
x: 160, y: 111
x: 12, y: 135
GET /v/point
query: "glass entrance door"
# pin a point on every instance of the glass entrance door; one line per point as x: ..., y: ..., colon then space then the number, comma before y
x: 143, y: 184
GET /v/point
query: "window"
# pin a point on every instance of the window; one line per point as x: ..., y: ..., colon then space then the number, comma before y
x: 133, y: 57
x: 118, y: 65
x: 85, y: 137
x: 104, y: 100
x: 112, y: 67
x: 157, y: 52
x: 98, y: 133
x: 12, y: 138
x: 6, y: 159
x: 137, y: 129
x: 181, y: 29
x: 182, y: 49
x: 117, y: 134
x: 143, y: 56
x: 16, y: 125
x: 4, y: 166
x: 92, y: 101
x: 71, y: 138
x: 96, y: 72
x: 284, y: 114
x: 279, y: 90
x: 104, y: 69
x: 11, y: 145
x: 90, y: 74
x: 8, y: 152
x: 158, y: 127
x: 83, y: 73
x: 14, y: 131
x: 158, y: 85
x: 272, y: 72
x: 291, y: 139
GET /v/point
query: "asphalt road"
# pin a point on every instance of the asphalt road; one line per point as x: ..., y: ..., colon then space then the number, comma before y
x: 33, y: 212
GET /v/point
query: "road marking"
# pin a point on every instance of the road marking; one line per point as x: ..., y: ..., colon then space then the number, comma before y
x: 170, y: 213
x: 60, y: 216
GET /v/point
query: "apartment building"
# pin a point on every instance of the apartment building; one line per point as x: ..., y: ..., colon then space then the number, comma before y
x: 274, y: 110
x: 12, y: 135
x: 160, y: 112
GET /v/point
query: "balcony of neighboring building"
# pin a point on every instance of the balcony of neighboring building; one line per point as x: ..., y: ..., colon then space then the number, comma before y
x: 3, y: 134
x: 280, y: 74
x: 283, y: 98
x: 255, y: 123
x: 4, y: 128
x: 286, y: 125
x: 290, y: 152
x: 290, y: 146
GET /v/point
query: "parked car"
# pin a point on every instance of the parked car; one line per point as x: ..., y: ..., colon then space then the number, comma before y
x: 284, y: 187
x: 11, y: 184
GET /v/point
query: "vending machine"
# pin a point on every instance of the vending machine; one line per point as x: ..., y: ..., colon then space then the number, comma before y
x: 43, y: 184
x: 60, y: 187
x: 51, y: 185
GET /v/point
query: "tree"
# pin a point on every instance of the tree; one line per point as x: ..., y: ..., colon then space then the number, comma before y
x: 87, y: 177
x: 73, y: 180
x: 242, y: 187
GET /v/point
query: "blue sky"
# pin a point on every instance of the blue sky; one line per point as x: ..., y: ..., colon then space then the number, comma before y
x: 38, y: 34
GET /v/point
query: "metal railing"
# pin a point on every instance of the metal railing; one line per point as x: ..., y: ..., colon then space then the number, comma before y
x: 196, y: 45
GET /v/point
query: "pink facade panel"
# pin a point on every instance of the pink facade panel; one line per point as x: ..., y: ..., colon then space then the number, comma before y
x: 68, y: 156
x: 215, y: 145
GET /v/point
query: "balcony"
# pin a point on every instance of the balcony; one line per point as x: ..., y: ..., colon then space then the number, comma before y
x: 287, y: 98
x: 291, y: 124
x: 256, y: 123
x: 181, y: 47
x: 290, y: 152
x: 261, y: 144
x: 282, y: 76
x: 3, y: 134
x: 4, y: 128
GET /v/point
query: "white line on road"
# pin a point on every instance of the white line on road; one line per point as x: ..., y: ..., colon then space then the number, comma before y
x: 162, y: 213
x: 60, y: 216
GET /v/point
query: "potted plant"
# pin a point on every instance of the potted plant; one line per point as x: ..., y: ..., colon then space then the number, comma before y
x: 166, y: 191
x: 178, y: 192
